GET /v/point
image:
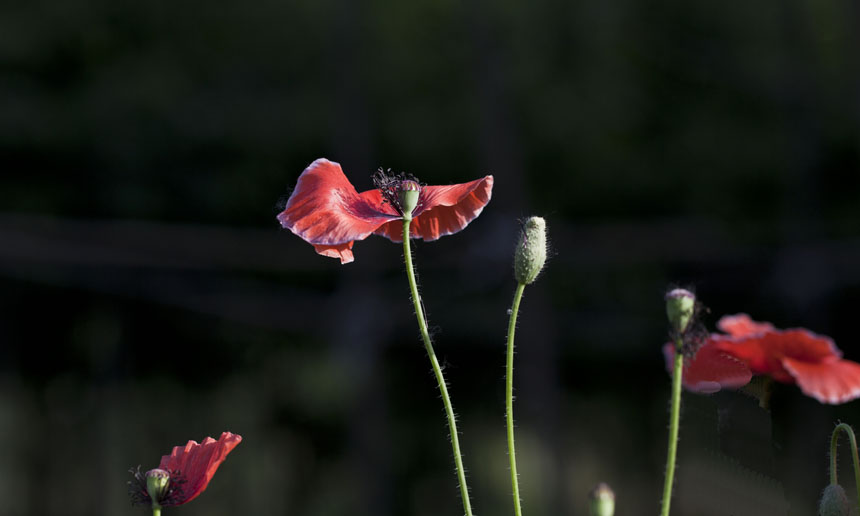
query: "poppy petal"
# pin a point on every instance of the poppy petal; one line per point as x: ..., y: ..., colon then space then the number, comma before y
x: 833, y: 382
x: 443, y: 210
x: 326, y: 210
x: 742, y: 325
x: 342, y: 251
x: 196, y: 463
x: 710, y: 370
x: 764, y: 352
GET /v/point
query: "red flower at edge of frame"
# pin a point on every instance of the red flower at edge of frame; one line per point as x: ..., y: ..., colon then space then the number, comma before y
x: 197, y: 463
x: 795, y: 355
x: 326, y: 211
x: 190, y: 468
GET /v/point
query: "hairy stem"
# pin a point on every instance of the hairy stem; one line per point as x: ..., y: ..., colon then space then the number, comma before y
x: 674, y: 418
x: 853, y: 441
x: 509, y: 398
x: 437, y: 370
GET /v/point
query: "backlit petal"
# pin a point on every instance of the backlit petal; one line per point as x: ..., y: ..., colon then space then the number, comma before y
x: 196, y: 463
x: 741, y: 325
x: 443, y: 210
x: 833, y: 382
x: 326, y: 210
x: 764, y: 352
x: 341, y: 251
x: 710, y: 370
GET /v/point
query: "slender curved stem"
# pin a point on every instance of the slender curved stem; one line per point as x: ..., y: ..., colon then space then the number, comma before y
x: 674, y: 418
x: 853, y: 441
x: 437, y: 370
x: 509, y: 398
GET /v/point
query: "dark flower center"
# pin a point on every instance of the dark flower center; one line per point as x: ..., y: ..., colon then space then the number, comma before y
x: 170, y: 494
x: 401, y: 191
x: 692, y: 332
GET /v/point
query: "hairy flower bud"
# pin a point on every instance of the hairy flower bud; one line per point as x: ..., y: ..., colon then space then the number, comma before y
x: 531, y: 250
x: 680, y: 305
x: 601, y: 500
x: 834, y: 502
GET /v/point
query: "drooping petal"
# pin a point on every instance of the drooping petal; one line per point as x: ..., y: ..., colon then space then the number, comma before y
x: 710, y: 370
x: 341, y: 251
x: 327, y: 211
x: 764, y: 352
x: 443, y: 210
x: 834, y: 381
x: 196, y: 463
x: 741, y: 325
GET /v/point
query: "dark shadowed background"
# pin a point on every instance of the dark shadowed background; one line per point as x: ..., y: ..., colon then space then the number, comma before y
x: 148, y: 295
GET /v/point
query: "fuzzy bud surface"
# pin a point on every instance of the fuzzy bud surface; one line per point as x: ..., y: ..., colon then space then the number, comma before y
x: 530, y: 255
x: 834, y: 502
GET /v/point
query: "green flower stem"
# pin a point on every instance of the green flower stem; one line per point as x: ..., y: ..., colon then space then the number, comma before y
x: 156, y: 511
x: 675, y: 416
x: 851, y: 439
x: 437, y: 370
x: 509, y: 398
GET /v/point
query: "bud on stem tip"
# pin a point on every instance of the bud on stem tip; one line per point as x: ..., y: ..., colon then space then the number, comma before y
x: 530, y: 255
x: 834, y: 502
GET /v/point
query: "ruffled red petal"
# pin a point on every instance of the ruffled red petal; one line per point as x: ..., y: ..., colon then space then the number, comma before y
x: 325, y: 210
x: 710, y: 370
x: 764, y: 352
x: 341, y: 251
x: 833, y: 382
x: 741, y: 325
x: 790, y: 356
x: 443, y: 210
x: 196, y: 463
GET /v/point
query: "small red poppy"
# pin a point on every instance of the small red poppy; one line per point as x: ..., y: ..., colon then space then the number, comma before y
x: 790, y: 356
x: 187, y: 471
x: 326, y: 210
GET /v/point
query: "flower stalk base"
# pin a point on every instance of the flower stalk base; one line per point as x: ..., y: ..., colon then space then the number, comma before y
x: 674, y: 418
x: 509, y: 398
x: 437, y: 370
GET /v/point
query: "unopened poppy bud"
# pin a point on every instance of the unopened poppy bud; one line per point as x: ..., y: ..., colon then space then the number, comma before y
x: 680, y: 305
x: 530, y: 256
x: 157, y: 481
x: 834, y: 502
x: 408, y: 197
x: 602, y: 501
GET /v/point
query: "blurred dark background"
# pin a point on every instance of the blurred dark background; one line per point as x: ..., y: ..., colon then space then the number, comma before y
x: 148, y: 295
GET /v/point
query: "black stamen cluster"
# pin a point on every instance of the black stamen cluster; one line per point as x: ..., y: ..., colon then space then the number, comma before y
x: 695, y: 335
x: 389, y: 185
x: 137, y: 488
x: 139, y: 494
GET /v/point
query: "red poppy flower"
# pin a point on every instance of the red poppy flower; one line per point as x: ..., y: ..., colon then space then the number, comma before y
x: 790, y: 356
x: 326, y: 210
x: 185, y: 472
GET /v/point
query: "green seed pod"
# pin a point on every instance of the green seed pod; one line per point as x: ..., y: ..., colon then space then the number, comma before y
x: 157, y: 481
x: 408, y: 194
x: 530, y: 255
x: 834, y: 502
x: 602, y: 501
x: 680, y: 305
